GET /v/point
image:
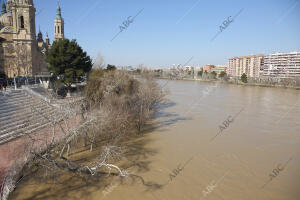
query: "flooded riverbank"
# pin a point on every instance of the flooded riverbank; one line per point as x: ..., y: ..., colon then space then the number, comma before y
x: 210, y: 141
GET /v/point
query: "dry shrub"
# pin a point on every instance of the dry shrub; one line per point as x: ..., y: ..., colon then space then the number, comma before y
x: 123, y: 95
x: 118, y: 103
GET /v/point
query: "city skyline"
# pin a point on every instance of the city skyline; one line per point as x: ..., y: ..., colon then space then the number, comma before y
x: 171, y: 32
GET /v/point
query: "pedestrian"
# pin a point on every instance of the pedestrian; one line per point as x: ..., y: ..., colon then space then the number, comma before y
x: 1, y: 87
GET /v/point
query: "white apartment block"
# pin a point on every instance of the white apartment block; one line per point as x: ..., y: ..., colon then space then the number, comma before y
x: 283, y: 65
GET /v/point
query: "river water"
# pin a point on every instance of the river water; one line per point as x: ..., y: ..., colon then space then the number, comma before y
x: 210, y: 141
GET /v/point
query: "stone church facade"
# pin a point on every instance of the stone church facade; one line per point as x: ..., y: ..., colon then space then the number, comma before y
x: 22, y: 53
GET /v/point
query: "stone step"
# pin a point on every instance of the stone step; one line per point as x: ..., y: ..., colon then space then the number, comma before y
x: 23, y: 115
x: 16, y: 127
x: 20, y: 131
x: 18, y: 119
x: 12, y: 136
x: 10, y: 91
x: 9, y: 98
x: 14, y: 123
x: 6, y: 106
x: 9, y: 107
x: 13, y: 95
x: 15, y: 99
x: 25, y: 120
x: 25, y: 129
x: 21, y: 110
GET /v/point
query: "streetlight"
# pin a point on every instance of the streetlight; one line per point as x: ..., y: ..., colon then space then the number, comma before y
x: 15, y: 81
x: 51, y: 80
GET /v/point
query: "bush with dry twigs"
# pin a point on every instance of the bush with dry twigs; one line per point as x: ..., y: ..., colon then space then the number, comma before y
x: 115, y: 105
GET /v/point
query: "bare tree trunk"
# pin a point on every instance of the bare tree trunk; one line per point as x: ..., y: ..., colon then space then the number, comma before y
x: 68, y: 151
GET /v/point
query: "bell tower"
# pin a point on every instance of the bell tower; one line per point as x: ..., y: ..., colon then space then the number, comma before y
x: 23, y: 15
x: 59, y: 28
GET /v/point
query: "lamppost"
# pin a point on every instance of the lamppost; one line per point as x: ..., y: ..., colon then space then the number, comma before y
x: 15, y: 81
x: 51, y: 81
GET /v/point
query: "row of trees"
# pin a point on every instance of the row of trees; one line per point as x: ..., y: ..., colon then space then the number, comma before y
x: 212, y: 75
x: 222, y: 75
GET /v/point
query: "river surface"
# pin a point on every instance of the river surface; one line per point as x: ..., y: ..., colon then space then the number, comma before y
x: 210, y: 141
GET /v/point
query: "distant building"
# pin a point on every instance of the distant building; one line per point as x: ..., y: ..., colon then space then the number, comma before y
x: 283, y: 65
x: 251, y: 65
x: 214, y: 68
x: 198, y: 68
x: 219, y: 68
x: 208, y: 68
x: 188, y: 68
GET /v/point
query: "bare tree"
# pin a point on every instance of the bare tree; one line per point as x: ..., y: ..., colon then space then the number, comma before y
x: 99, y: 62
x: 20, y: 60
x: 122, y: 104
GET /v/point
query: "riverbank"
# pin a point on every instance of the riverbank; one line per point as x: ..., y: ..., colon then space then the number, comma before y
x: 236, y: 83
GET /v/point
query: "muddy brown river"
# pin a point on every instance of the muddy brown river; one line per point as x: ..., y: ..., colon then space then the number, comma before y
x: 210, y: 141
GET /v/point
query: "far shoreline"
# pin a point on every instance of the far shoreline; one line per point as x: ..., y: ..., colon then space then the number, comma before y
x: 231, y: 83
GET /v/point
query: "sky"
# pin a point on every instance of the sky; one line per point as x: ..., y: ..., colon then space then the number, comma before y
x: 167, y: 32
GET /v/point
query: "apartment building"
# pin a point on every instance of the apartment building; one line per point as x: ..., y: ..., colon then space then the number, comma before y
x: 256, y: 65
x: 283, y: 65
x: 251, y: 65
x: 232, y: 66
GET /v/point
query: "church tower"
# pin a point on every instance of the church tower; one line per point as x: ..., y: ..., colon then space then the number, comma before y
x: 59, y: 28
x: 23, y: 15
x: 23, y: 37
x: 47, y: 40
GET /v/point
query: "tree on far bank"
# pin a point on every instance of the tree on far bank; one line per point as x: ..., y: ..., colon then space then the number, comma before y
x: 111, y: 67
x: 222, y: 74
x: 213, y: 75
x: 244, y: 78
x: 68, y: 61
x: 200, y: 73
x: 99, y: 62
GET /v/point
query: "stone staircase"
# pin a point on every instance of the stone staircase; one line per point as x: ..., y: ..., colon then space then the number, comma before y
x: 20, y: 114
